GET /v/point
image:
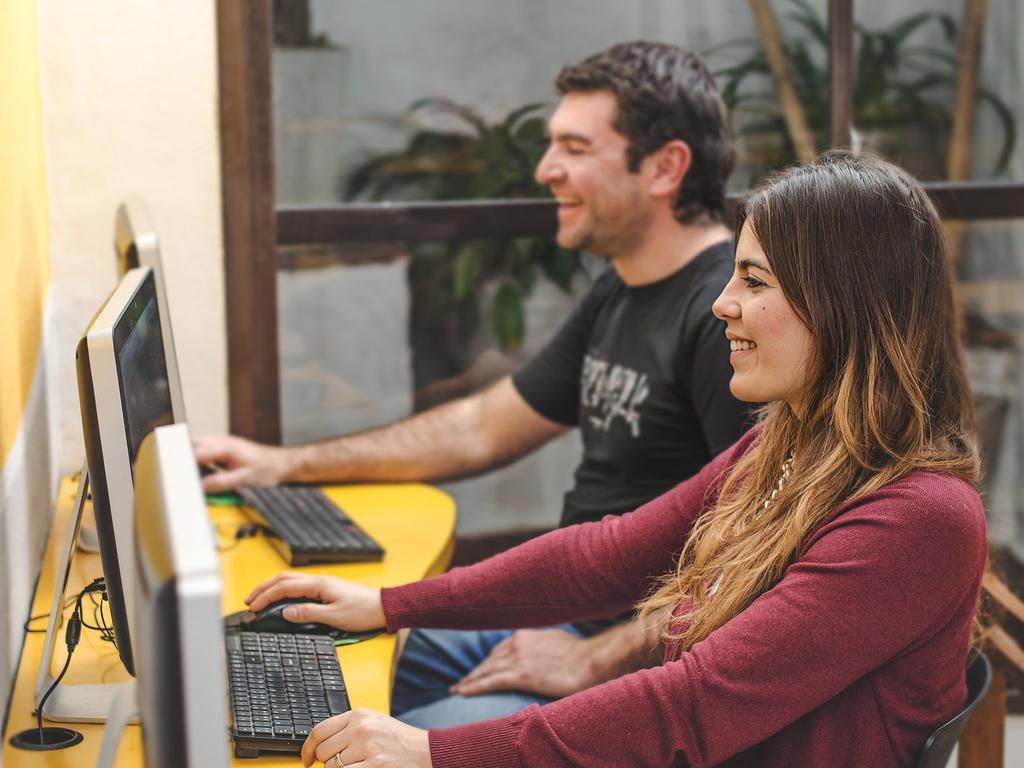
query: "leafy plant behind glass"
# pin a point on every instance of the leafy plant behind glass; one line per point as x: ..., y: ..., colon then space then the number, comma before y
x: 476, y: 161
x: 897, y: 85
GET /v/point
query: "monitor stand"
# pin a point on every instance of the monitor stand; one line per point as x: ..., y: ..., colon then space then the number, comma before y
x: 124, y: 709
x: 87, y: 703
x: 88, y: 541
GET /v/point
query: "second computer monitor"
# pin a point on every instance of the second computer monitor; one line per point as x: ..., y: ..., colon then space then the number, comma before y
x: 136, y: 245
x: 124, y: 393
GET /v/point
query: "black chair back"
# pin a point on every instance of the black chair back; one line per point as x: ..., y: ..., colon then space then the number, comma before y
x: 940, y: 744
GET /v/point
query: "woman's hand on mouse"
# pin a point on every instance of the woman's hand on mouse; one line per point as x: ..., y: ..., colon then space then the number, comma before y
x: 341, y: 604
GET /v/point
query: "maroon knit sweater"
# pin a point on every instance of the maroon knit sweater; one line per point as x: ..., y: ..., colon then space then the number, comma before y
x: 852, y: 659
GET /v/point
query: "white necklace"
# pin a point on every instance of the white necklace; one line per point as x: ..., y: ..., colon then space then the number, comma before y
x: 787, y: 467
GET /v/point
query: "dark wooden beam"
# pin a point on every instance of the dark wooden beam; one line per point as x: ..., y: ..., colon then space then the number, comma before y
x: 840, y: 29
x: 972, y: 200
x: 250, y: 250
x: 397, y: 222
x: 416, y: 221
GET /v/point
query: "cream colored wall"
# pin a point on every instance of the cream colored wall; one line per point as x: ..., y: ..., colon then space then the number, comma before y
x: 130, y: 104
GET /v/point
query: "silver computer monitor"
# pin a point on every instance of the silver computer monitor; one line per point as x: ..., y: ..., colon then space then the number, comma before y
x: 124, y: 393
x: 180, y: 662
x: 136, y: 244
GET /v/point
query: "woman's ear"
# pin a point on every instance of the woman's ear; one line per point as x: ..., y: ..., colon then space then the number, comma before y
x: 667, y: 167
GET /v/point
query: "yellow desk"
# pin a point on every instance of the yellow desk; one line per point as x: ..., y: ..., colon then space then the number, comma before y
x: 414, y: 523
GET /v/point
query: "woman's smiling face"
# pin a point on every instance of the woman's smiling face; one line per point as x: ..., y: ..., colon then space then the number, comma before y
x: 772, y: 349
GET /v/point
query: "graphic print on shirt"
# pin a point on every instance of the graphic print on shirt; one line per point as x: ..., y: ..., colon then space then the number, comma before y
x: 611, y: 392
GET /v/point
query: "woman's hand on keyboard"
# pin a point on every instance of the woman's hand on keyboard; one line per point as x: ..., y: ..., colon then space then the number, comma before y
x: 365, y: 737
x: 342, y: 604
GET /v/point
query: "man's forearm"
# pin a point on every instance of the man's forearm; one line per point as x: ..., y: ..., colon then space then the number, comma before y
x: 619, y: 650
x: 440, y: 444
x: 457, y: 439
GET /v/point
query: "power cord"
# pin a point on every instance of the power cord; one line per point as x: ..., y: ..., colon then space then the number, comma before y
x: 26, y: 628
x: 41, y: 738
x: 100, y: 623
x: 99, y: 617
x: 72, y: 634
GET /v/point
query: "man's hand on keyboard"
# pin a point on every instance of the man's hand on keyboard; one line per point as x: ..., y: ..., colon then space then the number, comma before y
x: 244, y: 462
x: 362, y: 735
x: 338, y: 603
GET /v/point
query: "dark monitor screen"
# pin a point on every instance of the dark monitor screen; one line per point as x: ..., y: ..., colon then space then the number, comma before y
x: 142, y: 404
x: 142, y: 369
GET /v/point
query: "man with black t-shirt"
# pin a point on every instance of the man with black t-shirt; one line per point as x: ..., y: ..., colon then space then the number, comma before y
x: 638, y: 160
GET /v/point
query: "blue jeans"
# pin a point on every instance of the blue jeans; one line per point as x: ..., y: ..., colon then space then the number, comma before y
x: 435, y: 659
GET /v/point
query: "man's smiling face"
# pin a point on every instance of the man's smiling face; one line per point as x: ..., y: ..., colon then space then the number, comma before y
x: 602, y: 205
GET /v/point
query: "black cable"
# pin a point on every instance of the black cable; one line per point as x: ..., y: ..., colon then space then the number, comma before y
x: 72, y: 634
x: 108, y: 627
x: 95, y: 626
x: 26, y: 628
x: 56, y: 738
x: 241, y: 531
x: 99, y: 616
x: 99, y: 619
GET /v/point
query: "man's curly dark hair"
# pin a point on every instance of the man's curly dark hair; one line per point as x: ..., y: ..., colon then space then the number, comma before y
x: 664, y: 93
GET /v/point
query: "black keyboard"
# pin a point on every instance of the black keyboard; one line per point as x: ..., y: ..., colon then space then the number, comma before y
x: 308, y: 527
x: 281, y: 686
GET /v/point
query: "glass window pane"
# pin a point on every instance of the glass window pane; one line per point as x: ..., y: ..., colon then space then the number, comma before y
x: 908, y: 58
x: 402, y: 327
x: 991, y: 269
x: 370, y: 333
x: 381, y: 100
x: 906, y: 61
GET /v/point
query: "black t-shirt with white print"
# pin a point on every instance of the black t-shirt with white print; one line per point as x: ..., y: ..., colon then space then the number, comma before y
x: 644, y: 372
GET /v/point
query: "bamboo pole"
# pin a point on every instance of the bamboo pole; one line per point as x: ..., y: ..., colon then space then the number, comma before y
x: 792, y: 109
x: 961, y: 140
x: 981, y: 743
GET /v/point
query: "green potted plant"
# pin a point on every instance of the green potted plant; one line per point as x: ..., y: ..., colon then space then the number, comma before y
x: 902, y: 99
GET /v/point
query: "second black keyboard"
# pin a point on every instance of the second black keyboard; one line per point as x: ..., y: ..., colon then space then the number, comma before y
x: 308, y: 527
x: 281, y: 686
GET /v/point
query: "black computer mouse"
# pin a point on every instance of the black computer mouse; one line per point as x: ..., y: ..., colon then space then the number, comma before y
x: 270, y: 620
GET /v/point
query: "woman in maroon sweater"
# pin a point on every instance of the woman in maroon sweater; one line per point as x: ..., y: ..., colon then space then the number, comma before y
x: 813, y: 588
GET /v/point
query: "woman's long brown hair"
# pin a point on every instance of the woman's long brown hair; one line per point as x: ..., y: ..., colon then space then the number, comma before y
x: 859, y: 253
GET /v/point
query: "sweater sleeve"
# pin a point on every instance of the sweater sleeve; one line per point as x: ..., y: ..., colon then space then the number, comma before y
x: 577, y: 573
x: 915, y: 552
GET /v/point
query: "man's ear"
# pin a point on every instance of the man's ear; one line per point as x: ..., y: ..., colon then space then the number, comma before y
x: 667, y: 167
